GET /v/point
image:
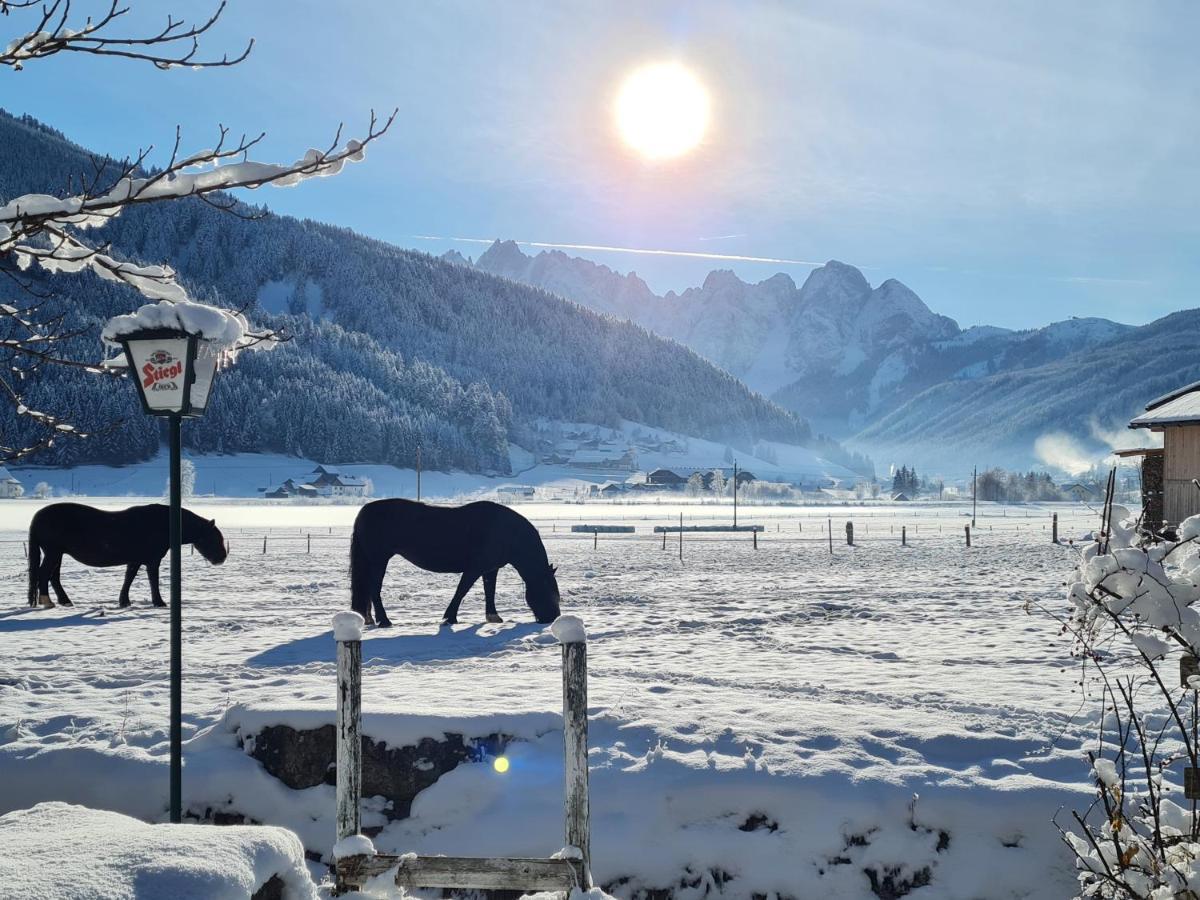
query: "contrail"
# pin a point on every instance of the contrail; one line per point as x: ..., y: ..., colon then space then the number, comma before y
x: 642, y: 251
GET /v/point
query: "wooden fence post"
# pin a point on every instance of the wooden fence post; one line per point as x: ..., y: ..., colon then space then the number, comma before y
x: 849, y: 534
x: 1054, y: 528
x: 903, y: 535
x: 595, y: 539
x: 264, y: 545
x: 310, y: 542
x: 755, y: 533
x: 968, y: 530
x: 347, y: 631
x: 570, y: 632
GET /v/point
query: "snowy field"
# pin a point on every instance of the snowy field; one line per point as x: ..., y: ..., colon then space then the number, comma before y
x: 762, y: 720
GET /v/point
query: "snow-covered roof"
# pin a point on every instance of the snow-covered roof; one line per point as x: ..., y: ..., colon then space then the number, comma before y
x: 1171, y: 395
x: 225, y: 329
x: 5, y: 475
x: 1177, y: 409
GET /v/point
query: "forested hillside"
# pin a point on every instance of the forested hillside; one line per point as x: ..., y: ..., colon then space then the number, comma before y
x: 392, y: 349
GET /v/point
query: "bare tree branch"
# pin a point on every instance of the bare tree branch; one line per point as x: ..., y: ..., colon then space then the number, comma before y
x: 176, y: 44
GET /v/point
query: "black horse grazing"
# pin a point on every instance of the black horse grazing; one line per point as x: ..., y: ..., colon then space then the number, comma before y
x: 134, y: 537
x: 477, y: 540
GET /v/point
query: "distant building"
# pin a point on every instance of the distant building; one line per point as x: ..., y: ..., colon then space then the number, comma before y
x: 332, y: 483
x: 325, y: 482
x: 604, y: 459
x: 665, y: 478
x: 901, y: 497
x: 10, y: 488
x: 1081, y: 492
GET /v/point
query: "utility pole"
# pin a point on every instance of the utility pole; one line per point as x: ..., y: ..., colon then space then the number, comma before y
x: 418, y: 473
x: 974, y: 493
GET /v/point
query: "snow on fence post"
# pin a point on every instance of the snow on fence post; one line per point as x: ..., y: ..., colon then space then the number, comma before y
x: 571, y: 634
x: 347, y: 631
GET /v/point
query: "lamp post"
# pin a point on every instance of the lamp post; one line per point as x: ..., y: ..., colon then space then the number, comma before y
x: 174, y: 370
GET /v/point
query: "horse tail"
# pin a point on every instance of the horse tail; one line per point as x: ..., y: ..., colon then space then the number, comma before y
x: 35, y: 565
x: 360, y: 590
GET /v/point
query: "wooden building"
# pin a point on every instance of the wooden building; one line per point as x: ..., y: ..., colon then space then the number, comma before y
x: 1170, y: 490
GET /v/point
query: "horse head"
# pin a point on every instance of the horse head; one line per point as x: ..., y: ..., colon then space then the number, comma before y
x: 541, y: 593
x: 207, y: 538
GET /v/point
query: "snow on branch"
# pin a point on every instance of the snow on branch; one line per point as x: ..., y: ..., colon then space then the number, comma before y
x: 1134, y: 616
x: 176, y: 44
x: 42, y: 229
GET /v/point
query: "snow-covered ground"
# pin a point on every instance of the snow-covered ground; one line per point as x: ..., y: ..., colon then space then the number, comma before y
x: 762, y: 720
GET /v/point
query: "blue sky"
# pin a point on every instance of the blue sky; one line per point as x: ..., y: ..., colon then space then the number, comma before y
x: 1013, y: 163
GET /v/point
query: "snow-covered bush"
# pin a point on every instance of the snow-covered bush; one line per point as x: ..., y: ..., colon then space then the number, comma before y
x: 1136, y: 623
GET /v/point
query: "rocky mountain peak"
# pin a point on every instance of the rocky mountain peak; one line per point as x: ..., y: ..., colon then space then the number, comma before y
x: 503, y: 258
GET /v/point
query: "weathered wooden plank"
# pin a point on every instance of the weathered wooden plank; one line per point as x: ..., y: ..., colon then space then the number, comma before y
x: 603, y: 529
x: 575, y: 749
x: 500, y: 873
x: 349, y: 737
x: 497, y: 873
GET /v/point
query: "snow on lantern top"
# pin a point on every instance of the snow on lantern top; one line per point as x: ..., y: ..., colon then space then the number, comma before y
x: 220, y: 328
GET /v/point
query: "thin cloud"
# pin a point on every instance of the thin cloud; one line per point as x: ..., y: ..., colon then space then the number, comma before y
x: 641, y: 251
x: 1093, y: 279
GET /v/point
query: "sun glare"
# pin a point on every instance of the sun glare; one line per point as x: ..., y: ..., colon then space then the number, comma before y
x: 662, y: 111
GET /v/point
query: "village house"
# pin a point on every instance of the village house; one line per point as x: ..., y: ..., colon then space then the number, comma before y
x: 324, y: 482
x: 10, y: 488
x: 665, y: 478
x: 1169, y: 490
x: 604, y: 459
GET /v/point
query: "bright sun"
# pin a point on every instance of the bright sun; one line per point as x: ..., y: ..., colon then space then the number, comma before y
x: 662, y: 110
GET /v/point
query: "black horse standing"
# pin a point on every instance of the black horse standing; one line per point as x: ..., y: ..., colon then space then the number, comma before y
x: 134, y: 537
x: 477, y: 540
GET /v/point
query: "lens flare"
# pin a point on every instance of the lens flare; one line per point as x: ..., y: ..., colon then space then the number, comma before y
x: 500, y: 764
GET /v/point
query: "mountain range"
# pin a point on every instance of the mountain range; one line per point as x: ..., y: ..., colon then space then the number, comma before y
x: 391, y: 350
x: 876, y: 368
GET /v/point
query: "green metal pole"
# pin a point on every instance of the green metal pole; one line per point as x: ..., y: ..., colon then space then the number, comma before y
x: 176, y: 529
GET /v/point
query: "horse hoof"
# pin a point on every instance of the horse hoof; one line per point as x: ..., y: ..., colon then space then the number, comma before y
x: 65, y: 602
x: 494, y: 618
x: 44, y: 601
x: 446, y: 623
x: 384, y: 623
x: 124, y: 604
x: 159, y: 603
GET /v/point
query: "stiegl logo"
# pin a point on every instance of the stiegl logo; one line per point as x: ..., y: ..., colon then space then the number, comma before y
x: 159, y: 373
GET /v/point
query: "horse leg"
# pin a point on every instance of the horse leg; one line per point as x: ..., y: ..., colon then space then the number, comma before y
x: 51, y: 560
x: 489, y: 595
x: 56, y: 580
x: 381, y: 616
x: 450, y: 616
x: 152, y: 574
x: 131, y: 571
x: 375, y: 591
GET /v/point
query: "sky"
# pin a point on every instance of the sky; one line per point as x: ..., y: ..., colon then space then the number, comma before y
x: 1013, y: 163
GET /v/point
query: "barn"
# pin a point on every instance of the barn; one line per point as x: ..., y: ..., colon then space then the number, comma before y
x: 1169, y: 491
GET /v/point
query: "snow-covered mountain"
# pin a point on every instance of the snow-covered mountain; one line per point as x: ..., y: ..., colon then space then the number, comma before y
x: 835, y: 349
x: 392, y: 350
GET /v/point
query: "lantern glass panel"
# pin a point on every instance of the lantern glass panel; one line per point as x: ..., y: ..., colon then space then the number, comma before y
x: 161, y: 367
x: 207, y: 359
